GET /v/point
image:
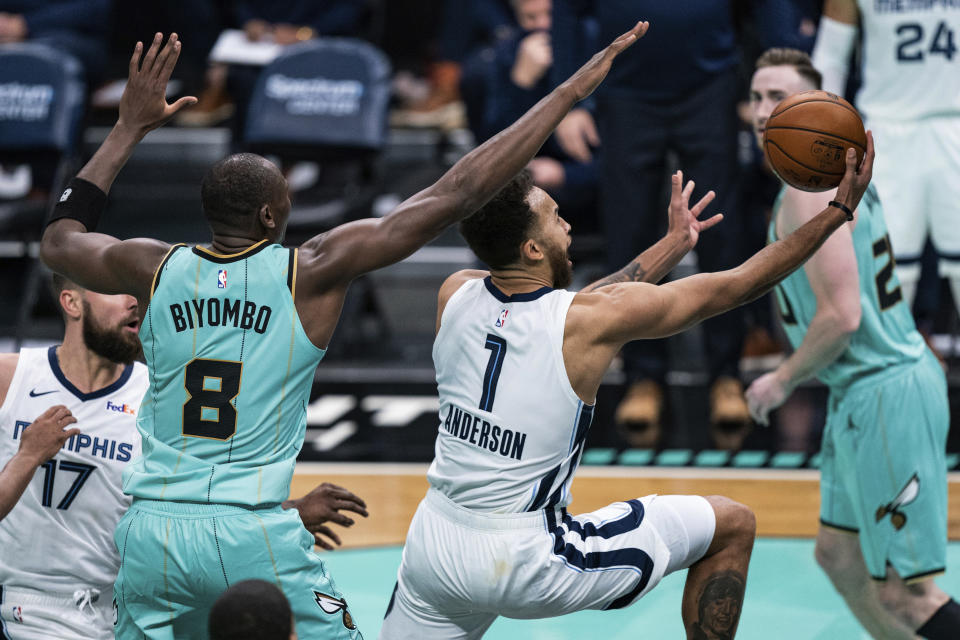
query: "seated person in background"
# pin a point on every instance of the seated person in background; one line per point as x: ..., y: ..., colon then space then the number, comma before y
x: 77, y: 27
x: 284, y: 23
x: 502, y: 81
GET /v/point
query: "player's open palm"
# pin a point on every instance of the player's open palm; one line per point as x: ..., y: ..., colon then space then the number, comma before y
x: 44, y: 438
x: 323, y: 505
x: 143, y: 105
x: 590, y: 75
x: 684, y: 220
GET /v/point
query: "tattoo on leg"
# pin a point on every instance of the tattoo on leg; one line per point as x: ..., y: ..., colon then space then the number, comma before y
x: 719, y: 605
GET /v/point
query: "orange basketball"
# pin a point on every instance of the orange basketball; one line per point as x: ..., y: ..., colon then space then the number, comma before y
x: 807, y: 136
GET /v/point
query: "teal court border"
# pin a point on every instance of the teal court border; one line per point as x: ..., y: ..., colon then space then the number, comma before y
x: 788, y: 598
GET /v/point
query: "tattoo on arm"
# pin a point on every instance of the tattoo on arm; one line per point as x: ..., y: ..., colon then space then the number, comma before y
x: 633, y: 272
x: 719, y: 606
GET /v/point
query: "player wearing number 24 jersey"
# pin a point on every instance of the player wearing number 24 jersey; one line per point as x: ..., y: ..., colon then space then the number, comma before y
x: 883, y: 485
x: 232, y: 334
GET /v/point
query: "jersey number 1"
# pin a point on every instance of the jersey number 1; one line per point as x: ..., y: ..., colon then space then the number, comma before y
x: 211, y: 385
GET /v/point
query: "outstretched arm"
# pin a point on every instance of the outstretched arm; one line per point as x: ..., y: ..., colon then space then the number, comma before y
x: 631, y: 311
x: 362, y: 246
x: 832, y: 273
x: 682, y: 234
x: 94, y: 260
x: 39, y: 442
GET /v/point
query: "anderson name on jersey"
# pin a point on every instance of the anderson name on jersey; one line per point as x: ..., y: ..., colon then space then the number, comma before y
x: 511, y: 428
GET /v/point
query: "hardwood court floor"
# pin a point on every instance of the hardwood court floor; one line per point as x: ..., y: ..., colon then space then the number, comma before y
x: 786, y: 502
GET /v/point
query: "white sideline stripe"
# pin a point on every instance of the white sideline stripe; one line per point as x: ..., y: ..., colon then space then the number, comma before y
x: 420, y: 469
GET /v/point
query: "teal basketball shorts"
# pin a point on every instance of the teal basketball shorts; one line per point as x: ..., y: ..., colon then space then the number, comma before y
x: 177, y: 558
x: 883, y: 468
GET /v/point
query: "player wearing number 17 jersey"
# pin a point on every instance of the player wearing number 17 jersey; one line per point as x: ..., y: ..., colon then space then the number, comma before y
x: 232, y: 334
x: 883, y: 486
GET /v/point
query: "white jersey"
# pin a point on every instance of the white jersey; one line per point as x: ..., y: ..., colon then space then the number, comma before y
x: 511, y: 427
x: 911, y: 59
x: 59, y: 536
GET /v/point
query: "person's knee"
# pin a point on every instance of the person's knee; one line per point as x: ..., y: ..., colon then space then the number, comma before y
x: 832, y: 558
x: 736, y: 522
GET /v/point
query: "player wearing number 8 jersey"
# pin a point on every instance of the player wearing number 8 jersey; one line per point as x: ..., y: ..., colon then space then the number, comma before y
x: 232, y: 335
x: 883, y: 508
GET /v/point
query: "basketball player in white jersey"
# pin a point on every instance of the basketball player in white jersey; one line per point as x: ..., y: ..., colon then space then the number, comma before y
x: 519, y: 361
x: 58, y: 560
x: 911, y: 99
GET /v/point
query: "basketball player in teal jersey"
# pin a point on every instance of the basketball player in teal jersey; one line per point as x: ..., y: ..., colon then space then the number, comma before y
x: 883, y: 485
x: 231, y: 335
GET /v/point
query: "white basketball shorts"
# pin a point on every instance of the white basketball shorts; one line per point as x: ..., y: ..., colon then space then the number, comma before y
x: 917, y: 173
x: 461, y: 568
x: 26, y: 614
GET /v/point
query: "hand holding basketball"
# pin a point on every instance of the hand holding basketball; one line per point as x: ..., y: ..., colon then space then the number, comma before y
x: 856, y: 178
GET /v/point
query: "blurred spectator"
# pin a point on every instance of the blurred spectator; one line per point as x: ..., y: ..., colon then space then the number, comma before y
x: 676, y: 91
x: 500, y: 83
x: 283, y: 23
x: 466, y: 27
x: 78, y: 27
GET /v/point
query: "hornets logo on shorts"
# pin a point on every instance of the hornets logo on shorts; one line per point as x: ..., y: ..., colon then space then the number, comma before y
x: 907, y: 495
x: 331, y: 605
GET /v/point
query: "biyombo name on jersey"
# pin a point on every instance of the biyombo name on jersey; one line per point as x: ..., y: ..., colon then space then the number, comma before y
x: 82, y: 443
x: 220, y: 312
x: 481, y: 433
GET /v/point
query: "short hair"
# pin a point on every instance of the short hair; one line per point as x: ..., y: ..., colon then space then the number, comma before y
x: 498, y: 229
x: 234, y: 189
x: 799, y: 60
x: 60, y: 282
x: 251, y: 610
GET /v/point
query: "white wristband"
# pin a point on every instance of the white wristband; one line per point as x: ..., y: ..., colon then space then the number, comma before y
x: 831, y: 53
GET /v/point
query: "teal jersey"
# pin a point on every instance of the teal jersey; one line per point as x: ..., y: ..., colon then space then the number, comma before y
x: 887, y: 335
x: 231, y: 369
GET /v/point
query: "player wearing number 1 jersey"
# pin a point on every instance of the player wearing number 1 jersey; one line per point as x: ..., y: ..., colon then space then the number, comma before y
x: 883, y: 508
x: 910, y: 98
x: 519, y: 361
x: 232, y: 334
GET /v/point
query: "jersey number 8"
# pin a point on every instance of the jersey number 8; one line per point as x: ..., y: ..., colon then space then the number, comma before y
x: 211, y: 386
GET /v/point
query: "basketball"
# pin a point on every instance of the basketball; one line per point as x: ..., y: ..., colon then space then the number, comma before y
x: 807, y: 136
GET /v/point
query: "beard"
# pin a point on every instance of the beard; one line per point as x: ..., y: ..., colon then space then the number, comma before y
x: 560, y: 266
x: 116, y: 345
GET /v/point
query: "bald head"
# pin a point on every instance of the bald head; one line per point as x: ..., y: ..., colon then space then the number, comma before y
x: 235, y: 190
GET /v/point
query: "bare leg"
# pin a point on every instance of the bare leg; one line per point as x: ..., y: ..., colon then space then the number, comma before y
x: 713, y: 594
x: 838, y: 553
x: 912, y: 604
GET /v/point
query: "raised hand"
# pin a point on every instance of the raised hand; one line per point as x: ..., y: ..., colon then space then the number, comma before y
x: 684, y: 220
x: 324, y: 504
x: 143, y: 106
x: 590, y: 75
x: 44, y: 438
x: 856, y: 179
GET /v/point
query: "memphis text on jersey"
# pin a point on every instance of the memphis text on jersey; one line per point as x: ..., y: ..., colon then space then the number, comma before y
x: 482, y: 434
x: 220, y: 312
x: 103, y: 447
